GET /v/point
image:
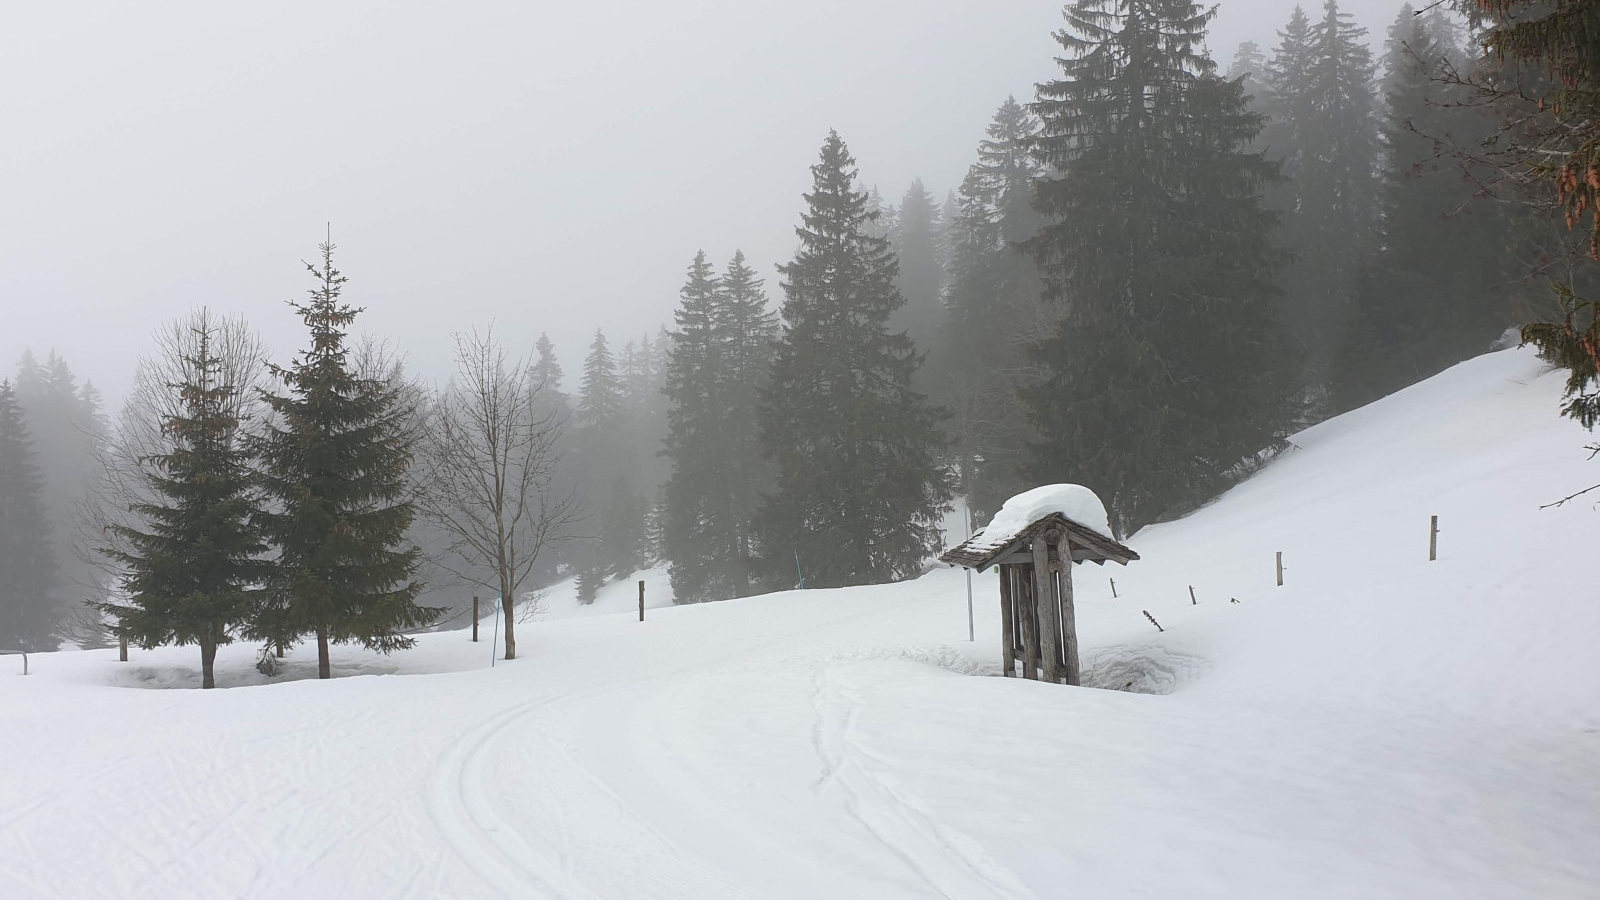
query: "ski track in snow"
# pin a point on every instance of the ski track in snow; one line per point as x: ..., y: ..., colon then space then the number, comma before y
x: 948, y: 862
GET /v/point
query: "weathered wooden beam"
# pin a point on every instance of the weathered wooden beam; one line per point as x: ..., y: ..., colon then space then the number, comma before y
x: 1008, y: 637
x: 1049, y: 610
x: 1029, y: 609
x: 1072, y: 672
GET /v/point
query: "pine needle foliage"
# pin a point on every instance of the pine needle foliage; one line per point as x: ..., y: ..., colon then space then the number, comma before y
x: 334, y: 462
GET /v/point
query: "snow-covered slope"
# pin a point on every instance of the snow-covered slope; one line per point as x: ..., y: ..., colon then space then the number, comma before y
x: 1380, y: 726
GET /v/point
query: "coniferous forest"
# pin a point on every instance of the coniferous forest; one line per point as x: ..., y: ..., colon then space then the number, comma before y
x: 1157, y: 269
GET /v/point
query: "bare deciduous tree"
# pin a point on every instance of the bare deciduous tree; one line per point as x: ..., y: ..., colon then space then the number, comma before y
x: 486, y: 465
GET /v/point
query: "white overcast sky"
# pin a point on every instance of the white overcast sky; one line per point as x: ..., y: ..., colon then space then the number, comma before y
x: 551, y: 167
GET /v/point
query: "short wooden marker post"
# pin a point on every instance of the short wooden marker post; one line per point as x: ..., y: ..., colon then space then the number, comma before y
x: 1113, y: 588
x: 1280, y: 568
x: 122, y: 650
x: 641, y: 600
x: 1192, y: 600
x: 1433, y: 539
x: 474, y: 618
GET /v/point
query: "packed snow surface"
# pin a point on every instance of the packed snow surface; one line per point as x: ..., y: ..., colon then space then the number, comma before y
x: 1380, y: 726
x: 1074, y: 501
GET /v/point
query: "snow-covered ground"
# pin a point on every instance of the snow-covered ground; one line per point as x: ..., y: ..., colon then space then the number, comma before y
x: 1380, y: 726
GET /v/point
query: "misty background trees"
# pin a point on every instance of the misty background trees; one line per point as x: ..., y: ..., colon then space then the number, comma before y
x: 1151, y: 275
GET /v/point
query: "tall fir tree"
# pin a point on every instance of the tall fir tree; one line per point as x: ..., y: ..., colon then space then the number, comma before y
x: 717, y: 363
x: 67, y: 426
x: 191, y: 569
x: 1327, y: 139
x: 1436, y: 289
x: 599, y: 436
x: 858, y: 493
x: 28, y: 573
x: 915, y: 240
x: 992, y: 306
x: 1166, y: 368
x: 334, y: 464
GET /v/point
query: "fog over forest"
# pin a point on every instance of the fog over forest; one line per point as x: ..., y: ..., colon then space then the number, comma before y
x: 548, y: 166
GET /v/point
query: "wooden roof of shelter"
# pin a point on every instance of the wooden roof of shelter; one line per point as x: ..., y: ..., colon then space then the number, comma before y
x: 980, y: 552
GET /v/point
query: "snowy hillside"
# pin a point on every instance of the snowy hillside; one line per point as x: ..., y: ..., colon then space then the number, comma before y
x: 1380, y: 726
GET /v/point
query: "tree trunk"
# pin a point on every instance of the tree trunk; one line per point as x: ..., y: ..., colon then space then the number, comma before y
x: 208, y: 662
x: 507, y: 606
x: 324, y: 669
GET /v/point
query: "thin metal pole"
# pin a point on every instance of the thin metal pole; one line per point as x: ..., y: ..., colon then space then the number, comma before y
x: 798, y: 571
x: 496, y: 639
x: 972, y: 633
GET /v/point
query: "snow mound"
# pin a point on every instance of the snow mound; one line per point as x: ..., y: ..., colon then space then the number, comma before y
x: 1074, y: 501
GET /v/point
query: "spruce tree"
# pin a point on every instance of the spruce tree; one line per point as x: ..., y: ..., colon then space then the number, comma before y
x: 193, y: 566
x: 1436, y: 289
x: 858, y: 492
x: 28, y: 573
x: 1165, y: 370
x: 334, y: 464
x: 915, y: 240
x: 1327, y: 140
x: 716, y: 365
x: 992, y: 306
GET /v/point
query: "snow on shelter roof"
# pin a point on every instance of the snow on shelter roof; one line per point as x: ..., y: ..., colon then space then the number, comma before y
x: 1072, y: 508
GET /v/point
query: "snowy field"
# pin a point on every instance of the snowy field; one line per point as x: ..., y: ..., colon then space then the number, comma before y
x: 1380, y: 726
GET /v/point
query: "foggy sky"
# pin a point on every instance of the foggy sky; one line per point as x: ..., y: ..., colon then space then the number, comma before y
x: 549, y: 167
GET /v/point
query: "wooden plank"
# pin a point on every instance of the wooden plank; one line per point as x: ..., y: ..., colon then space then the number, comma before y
x: 1072, y: 672
x: 1049, y: 609
x: 1027, y: 611
x: 1008, y: 638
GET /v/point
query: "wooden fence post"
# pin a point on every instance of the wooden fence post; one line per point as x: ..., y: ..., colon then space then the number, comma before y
x: 1433, y: 539
x: 641, y: 599
x: 474, y: 618
x: 1113, y: 589
x: 1192, y: 600
x: 1280, y: 568
x: 122, y: 650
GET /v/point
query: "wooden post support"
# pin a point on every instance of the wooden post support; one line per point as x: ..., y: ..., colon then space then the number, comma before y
x: 122, y: 650
x: 474, y: 618
x: 1113, y: 589
x: 1069, y: 619
x: 641, y: 599
x: 1046, y: 602
x: 1433, y: 539
x: 1280, y: 568
x: 1028, y: 612
x: 1008, y: 634
x: 1192, y: 600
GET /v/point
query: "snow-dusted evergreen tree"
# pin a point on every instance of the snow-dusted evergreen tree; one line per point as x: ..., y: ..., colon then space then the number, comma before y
x: 191, y: 557
x: 718, y: 360
x: 334, y: 461
x: 1166, y: 366
x: 28, y: 572
x: 858, y: 491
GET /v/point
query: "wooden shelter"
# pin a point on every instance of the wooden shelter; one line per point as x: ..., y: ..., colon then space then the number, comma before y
x: 1037, y: 621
